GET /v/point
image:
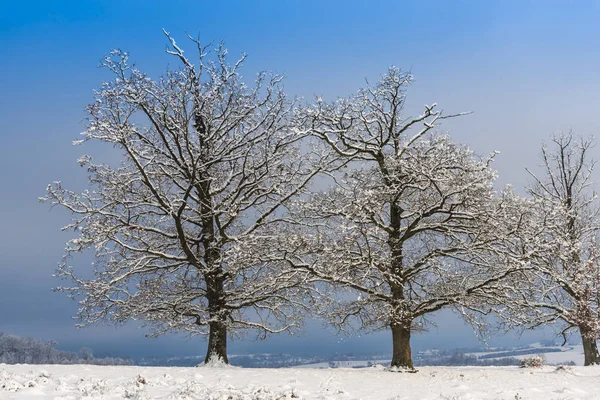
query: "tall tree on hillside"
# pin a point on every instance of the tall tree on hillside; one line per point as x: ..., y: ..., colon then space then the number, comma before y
x: 564, y: 286
x: 209, y: 164
x: 413, y: 227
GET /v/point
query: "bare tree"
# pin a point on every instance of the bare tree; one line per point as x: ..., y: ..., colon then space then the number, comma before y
x: 209, y: 164
x: 564, y: 285
x: 415, y: 226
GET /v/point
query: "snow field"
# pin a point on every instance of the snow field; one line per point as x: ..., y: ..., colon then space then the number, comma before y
x: 231, y: 383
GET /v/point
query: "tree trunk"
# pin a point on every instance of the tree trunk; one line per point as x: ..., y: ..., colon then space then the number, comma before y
x: 401, y: 321
x: 401, y: 355
x: 217, y: 343
x: 217, y: 335
x: 590, y: 347
x: 214, y: 275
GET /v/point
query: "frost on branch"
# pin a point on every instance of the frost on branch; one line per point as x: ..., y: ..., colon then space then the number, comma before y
x: 563, y: 286
x: 415, y: 226
x: 179, y: 227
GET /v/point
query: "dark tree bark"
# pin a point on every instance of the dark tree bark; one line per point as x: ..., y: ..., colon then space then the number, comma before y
x: 215, y: 276
x: 401, y: 354
x: 215, y: 294
x: 217, y: 342
x: 590, y: 347
x: 217, y: 337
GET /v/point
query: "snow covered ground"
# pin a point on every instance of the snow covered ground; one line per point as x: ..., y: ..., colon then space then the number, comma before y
x: 230, y: 383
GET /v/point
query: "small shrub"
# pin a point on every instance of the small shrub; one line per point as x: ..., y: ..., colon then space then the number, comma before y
x: 564, y: 368
x: 532, y: 362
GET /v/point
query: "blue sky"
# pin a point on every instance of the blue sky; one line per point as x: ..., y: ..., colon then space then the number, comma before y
x: 526, y: 68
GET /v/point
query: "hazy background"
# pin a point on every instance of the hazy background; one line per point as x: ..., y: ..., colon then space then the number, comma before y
x: 526, y: 68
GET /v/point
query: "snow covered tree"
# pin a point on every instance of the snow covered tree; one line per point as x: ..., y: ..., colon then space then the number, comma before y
x: 86, y: 354
x: 414, y: 225
x: 208, y: 166
x: 564, y: 285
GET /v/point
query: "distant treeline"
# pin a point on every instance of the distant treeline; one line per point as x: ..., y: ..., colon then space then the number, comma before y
x: 270, y: 360
x: 455, y: 357
x: 21, y: 350
x: 523, y: 352
x: 459, y: 358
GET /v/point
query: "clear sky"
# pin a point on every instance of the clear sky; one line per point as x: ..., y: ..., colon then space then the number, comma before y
x: 526, y: 68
